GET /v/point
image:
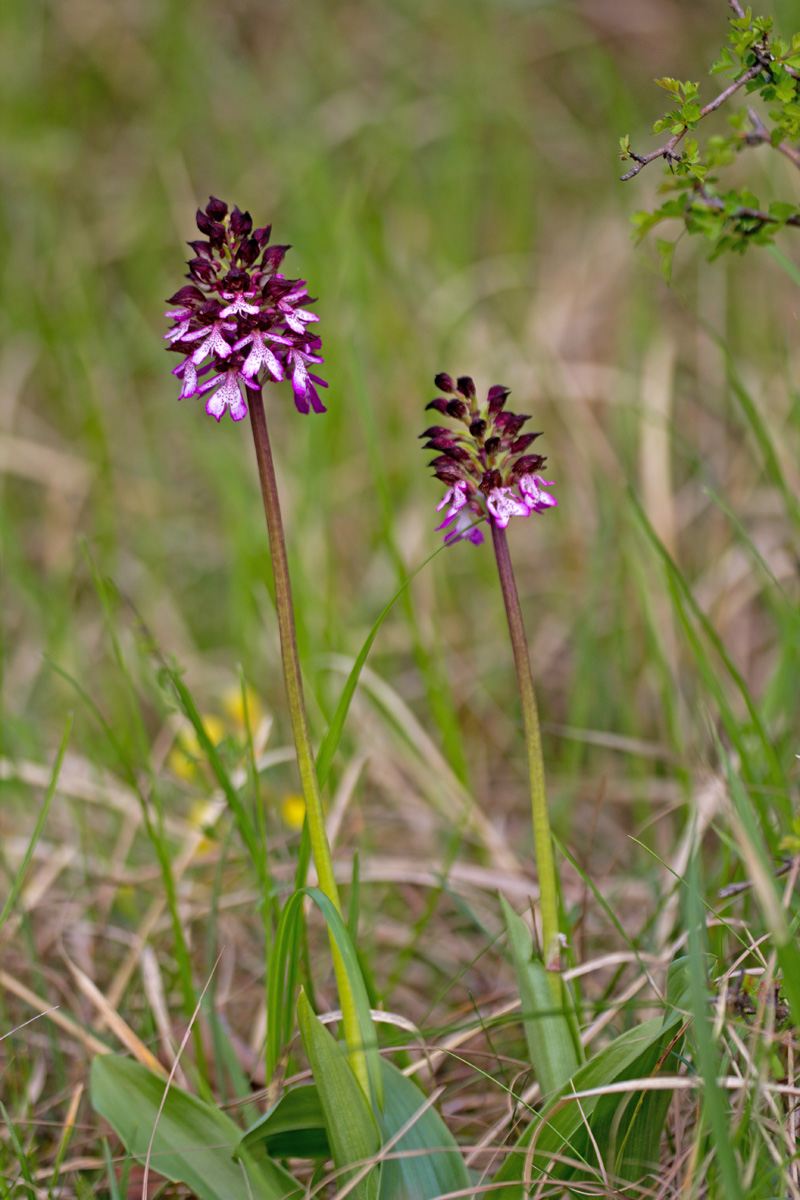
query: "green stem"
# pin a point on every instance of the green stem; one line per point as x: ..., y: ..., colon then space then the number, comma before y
x: 320, y: 847
x: 543, y: 838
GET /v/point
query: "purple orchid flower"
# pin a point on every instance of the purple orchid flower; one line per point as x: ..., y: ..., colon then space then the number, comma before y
x: 237, y: 298
x: 486, y: 466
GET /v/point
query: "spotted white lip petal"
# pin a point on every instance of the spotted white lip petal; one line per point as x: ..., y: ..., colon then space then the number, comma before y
x: 456, y: 497
x: 228, y: 395
x: 503, y: 505
x: 240, y: 305
x: 179, y: 332
x: 214, y: 343
x: 299, y: 375
x: 189, y: 372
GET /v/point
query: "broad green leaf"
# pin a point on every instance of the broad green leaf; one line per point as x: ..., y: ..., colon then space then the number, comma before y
x: 194, y: 1142
x: 561, y: 1128
x: 628, y: 1128
x: 285, y: 939
x: 296, y: 1128
x: 293, y: 1128
x: 352, y: 1132
x: 418, y: 1176
x: 550, y: 1033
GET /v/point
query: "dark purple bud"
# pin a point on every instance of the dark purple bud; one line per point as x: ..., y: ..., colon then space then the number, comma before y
x: 522, y: 443
x: 526, y: 465
x: 188, y: 295
x: 448, y: 472
x: 444, y: 383
x: 241, y: 223
x: 248, y: 252
x: 478, y: 428
x: 445, y: 461
x: 447, y: 447
x: 201, y: 249
x: 236, y: 280
x: 491, y: 445
x: 216, y: 209
x: 273, y: 257
x: 212, y: 229
x: 437, y: 431
x: 210, y: 311
x: 440, y: 405
x: 466, y: 387
x: 509, y: 424
x: 491, y: 479
x: 202, y: 270
x: 457, y: 408
x: 497, y: 397
x: 262, y: 235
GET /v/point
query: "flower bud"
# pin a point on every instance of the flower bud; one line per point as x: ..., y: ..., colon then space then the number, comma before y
x: 509, y: 424
x: 478, y: 428
x: 466, y: 387
x: 241, y: 223
x: 457, y: 408
x: 444, y: 383
x: 216, y: 209
x: 273, y: 257
x: 201, y: 270
x: 497, y: 397
x: 446, y: 470
x: 440, y: 405
x: 490, y: 480
x: 187, y: 295
x: 248, y: 252
x: 522, y: 443
x: 527, y: 465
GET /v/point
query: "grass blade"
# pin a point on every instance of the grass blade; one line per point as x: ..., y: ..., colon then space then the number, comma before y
x: 19, y: 878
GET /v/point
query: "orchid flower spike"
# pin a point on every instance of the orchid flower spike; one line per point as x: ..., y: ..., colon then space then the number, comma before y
x: 490, y: 475
x: 239, y: 323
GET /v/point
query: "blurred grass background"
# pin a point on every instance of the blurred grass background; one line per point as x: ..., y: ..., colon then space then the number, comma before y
x: 447, y: 175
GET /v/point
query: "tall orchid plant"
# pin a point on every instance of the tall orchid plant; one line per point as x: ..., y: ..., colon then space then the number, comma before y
x: 239, y: 324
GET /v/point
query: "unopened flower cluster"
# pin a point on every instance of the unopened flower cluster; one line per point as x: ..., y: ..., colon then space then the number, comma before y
x: 487, y: 470
x: 238, y: 323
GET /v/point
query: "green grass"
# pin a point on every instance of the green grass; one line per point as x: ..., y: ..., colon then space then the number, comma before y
x: 446, y: 174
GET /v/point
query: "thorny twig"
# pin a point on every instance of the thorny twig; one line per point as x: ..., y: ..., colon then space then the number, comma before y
x: 759, y: 134
x: 754, y: 214
x: 667, y: 151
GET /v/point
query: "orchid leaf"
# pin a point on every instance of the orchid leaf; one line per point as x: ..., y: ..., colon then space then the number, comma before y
x: 193, y: 1143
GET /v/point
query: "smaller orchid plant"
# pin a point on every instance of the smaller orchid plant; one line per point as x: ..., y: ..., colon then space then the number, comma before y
x: 239, y: 322
x: 491, y: 476
x: 487, y: 468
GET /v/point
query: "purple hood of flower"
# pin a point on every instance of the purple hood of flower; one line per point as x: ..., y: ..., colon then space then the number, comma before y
x: 240, y: 323
x: 486, y: 467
